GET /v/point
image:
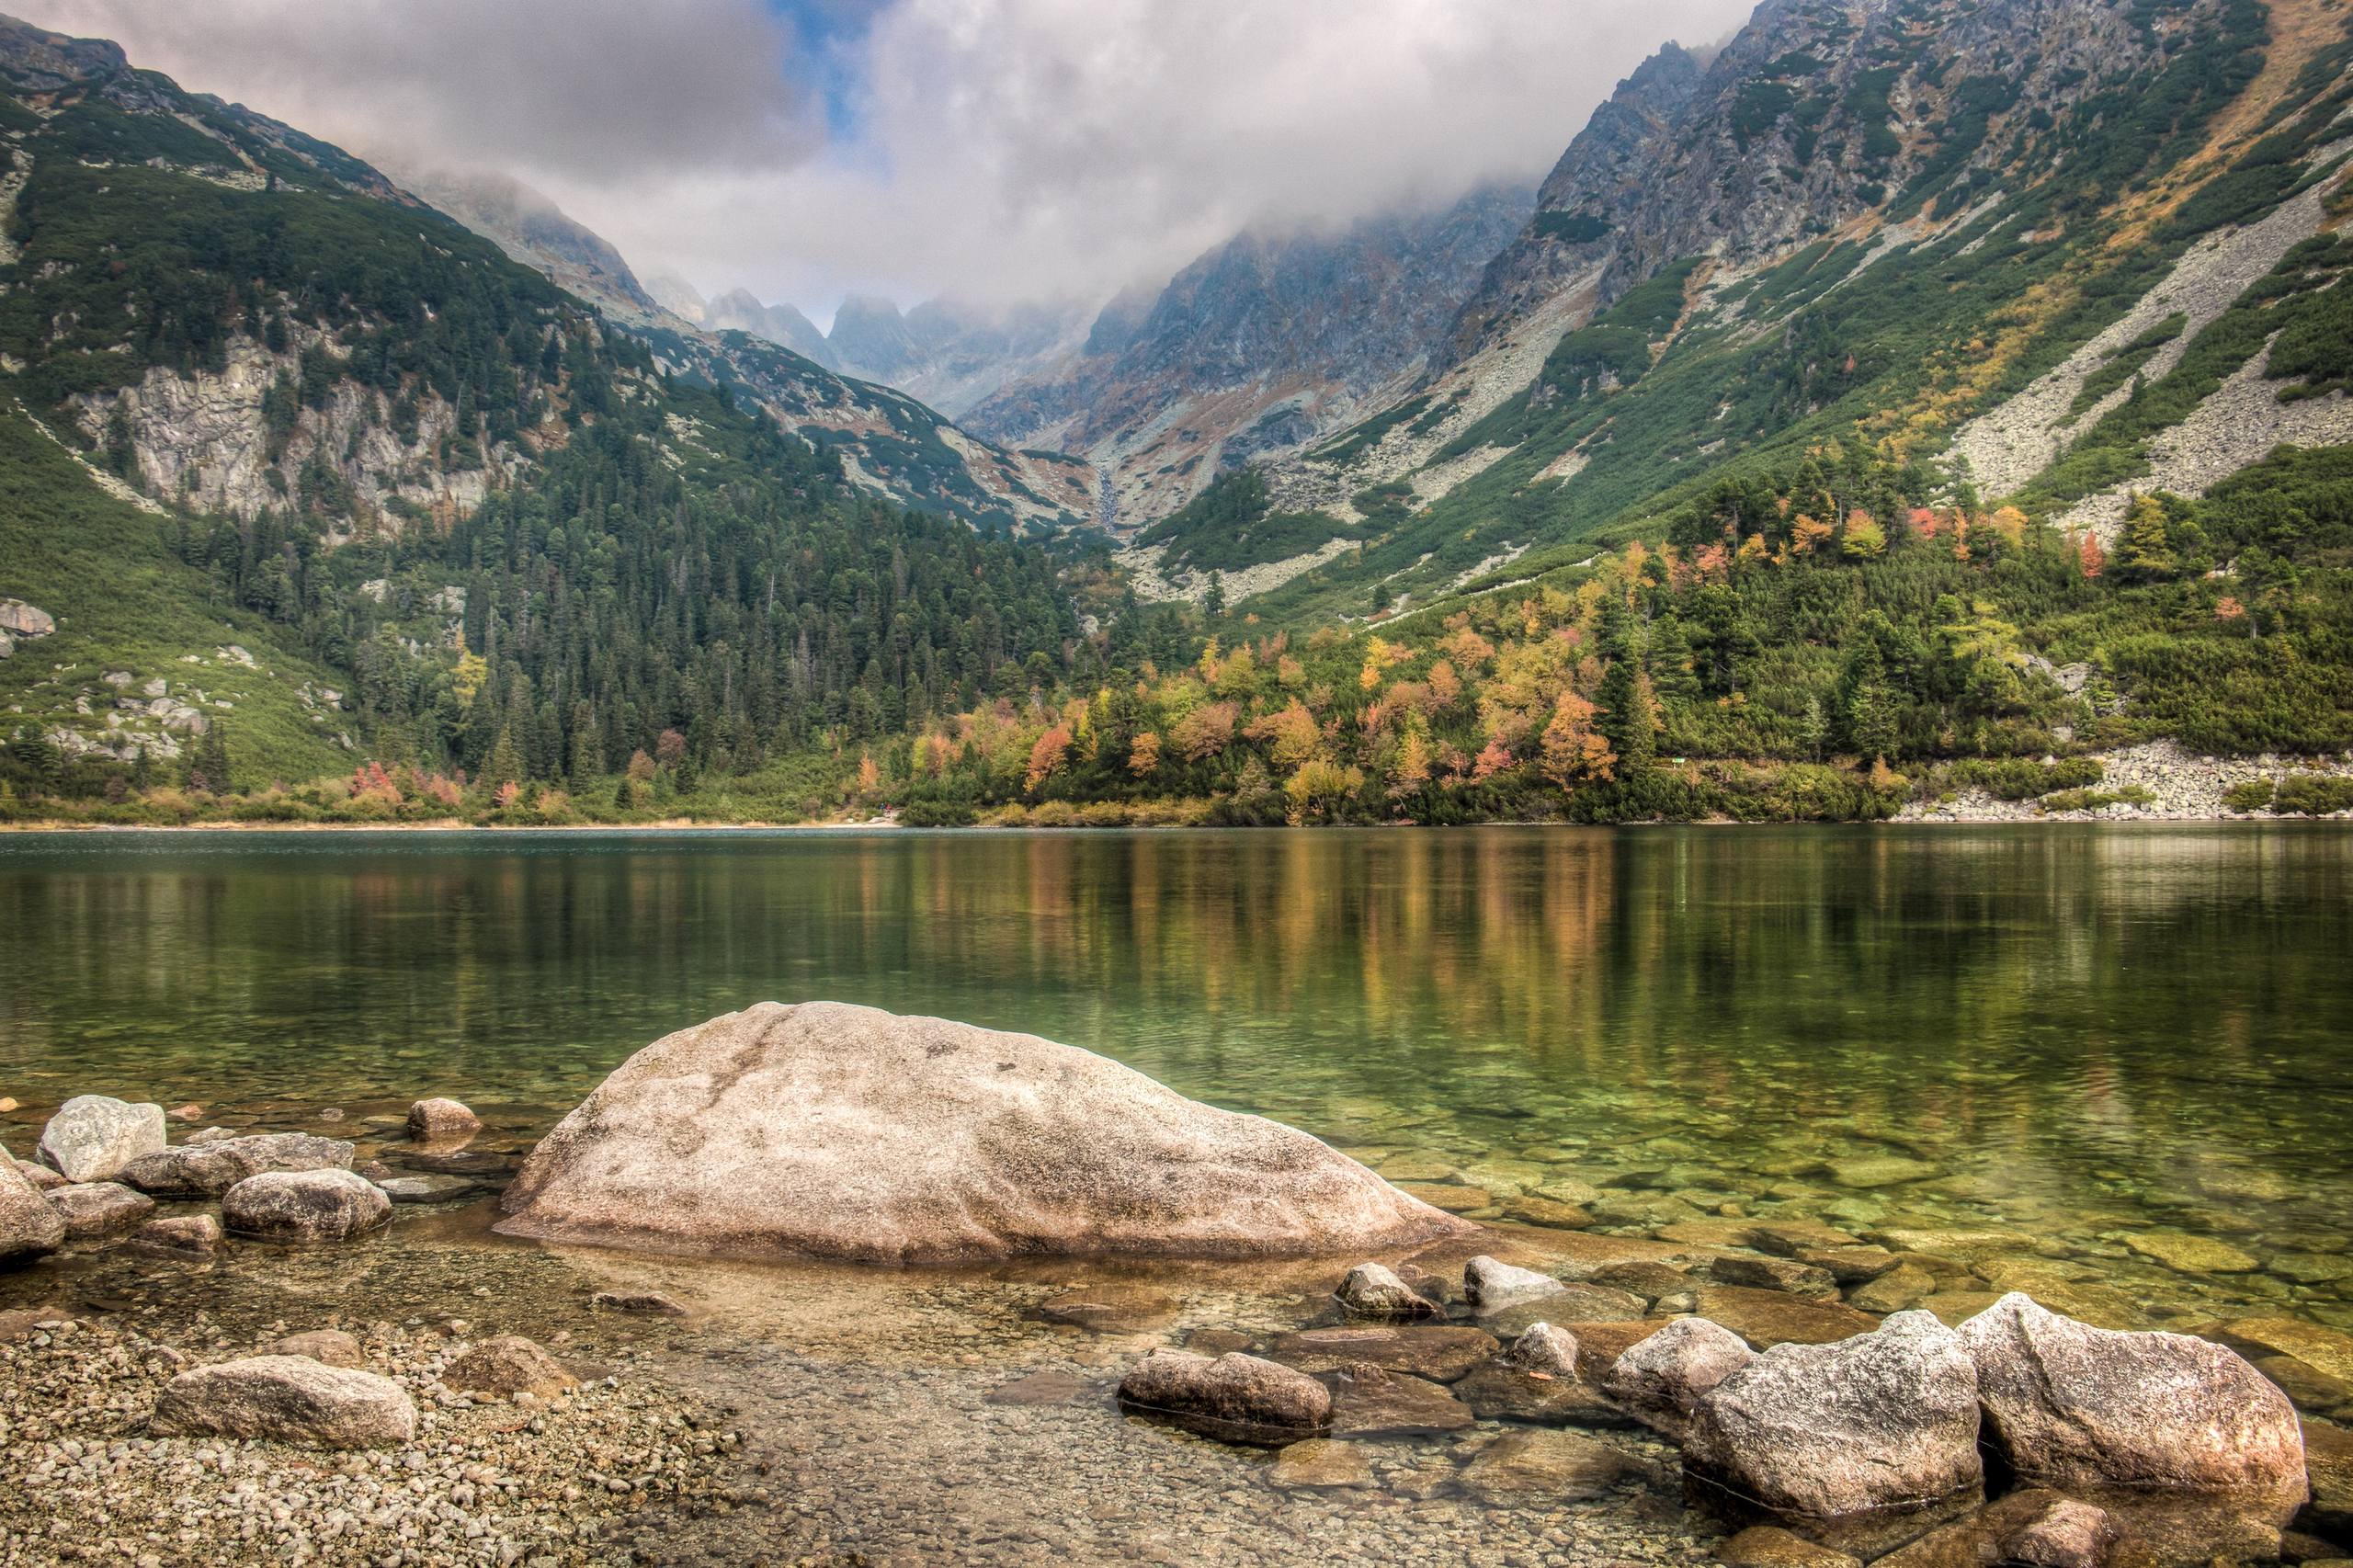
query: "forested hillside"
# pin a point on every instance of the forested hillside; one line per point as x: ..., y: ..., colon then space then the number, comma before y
x: 1957, y: 402
x: 308, y: 479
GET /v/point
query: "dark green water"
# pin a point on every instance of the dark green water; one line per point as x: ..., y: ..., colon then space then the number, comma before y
x: 2098, y: 1032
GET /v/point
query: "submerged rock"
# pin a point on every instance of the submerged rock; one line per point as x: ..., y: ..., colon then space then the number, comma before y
x: 1663, y: 1378
x: 1493, y: 1286
x: 305, y: 1206
x: 1369, y: 1401
x: 1770, y: 1545
x: 286, y: 1399
x: 650, y: 1303
x: 441, y: 1122
x: 210, y: 1169
x: 1536, y: 1377
x: 92, y: 1137
x: 2066, y: 1534
x: 848, y: 1132
x: 196, y: 1233
x: 1560, y: 1467
x: 1440, y: 1352
x: 100, y: 1209
x: 1237, y: 1398
x: 30, y: 1224
x: 1766, y: 1318
x: 1877, y: 1421
x: 507, y: 1366
x: 1374, y: 1290
x: 2072, y: 1404
x: 1320, y: 1463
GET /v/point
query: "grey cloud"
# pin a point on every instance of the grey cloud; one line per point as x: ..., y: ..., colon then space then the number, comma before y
x: 1005, y: 149
x: 590, y: 89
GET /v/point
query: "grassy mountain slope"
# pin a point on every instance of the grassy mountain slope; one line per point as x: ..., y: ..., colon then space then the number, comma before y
x: 1942, y: 258
x: 125, y: 604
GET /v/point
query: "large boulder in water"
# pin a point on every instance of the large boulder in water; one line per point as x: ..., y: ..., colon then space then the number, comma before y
x: 2074, y: 1405
x: 1883, y: 1419
x: 847, y: 1132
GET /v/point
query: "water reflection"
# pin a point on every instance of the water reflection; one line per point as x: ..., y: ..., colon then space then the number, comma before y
x: 2099, y: 1028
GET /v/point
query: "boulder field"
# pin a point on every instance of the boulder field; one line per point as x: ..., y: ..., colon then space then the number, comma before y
x: 829, y: 1130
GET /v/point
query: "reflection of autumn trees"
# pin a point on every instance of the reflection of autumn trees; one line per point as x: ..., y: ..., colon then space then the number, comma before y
x: 1988, y: 990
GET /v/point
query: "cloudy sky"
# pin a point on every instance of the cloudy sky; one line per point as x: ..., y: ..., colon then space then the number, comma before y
x: 996, y: 149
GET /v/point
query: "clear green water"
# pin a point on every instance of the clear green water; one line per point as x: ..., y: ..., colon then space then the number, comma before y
x: 2087, y: 1033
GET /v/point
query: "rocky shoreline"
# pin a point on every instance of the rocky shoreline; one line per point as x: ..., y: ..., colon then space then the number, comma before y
x: 2177, y: 785
x: 1573, y: 1377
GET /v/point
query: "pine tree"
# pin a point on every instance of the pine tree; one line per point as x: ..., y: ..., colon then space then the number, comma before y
x: 505, y: 764
x: 1629, y: 719
x: 2144, y: 551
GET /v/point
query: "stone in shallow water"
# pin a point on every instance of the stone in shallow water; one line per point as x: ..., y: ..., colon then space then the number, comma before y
x: 1882, y: 1420
x: 1491, y: 1286
x: 1766, y: 1318
x: 2329, y: 1459
x: 1441, y: 1352
x: 194, y: 1233
x: 1447, y: 1195
x: 651, y: 1303
x: 1111, y: 1309
x: 30, y: 1224
x: 2310, y: 1268
x: 427, y: 1189
x: 1648, y: 1280
x: 100, y: 1208
x: 1769, y: 1546
x: 286, y: 1399
x: 507, y: 1366
x: 305, y: 1206
x: 1367, y: 1401
x: 441, y: 1122
x: 1236, y: 1397
x: 1849, y: 1265
x: 2071, y: 1405
x: 1320, y: 1463
x: 2066, y: 1534
x: 1537, y: 1378
x: 1867, y: 1172
x: 1051, y: 1386
x: 2185, y: 1253
x: 92, y: 1137
x: 848, y: 1132
x: 210, y: 1169
x: 1546, y: 1212
x: 1662, y: 1378
x: 1559, y: 1467
x: 1905, y: 1285
x: 2326, y: 1349
x: 1374, y: 1290
x: 1774, y: 1274
x: 1787, y: 1238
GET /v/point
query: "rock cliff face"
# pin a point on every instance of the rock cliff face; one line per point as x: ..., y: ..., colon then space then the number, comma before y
x: 1257, y: 346
x: 296, y: 377
x: 1813, y: 116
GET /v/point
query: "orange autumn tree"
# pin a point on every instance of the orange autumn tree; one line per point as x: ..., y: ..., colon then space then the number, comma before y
x: 1571, y: 750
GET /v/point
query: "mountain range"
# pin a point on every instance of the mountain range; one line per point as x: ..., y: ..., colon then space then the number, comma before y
x: 1964, y: 258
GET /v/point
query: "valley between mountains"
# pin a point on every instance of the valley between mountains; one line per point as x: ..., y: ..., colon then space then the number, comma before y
x: 1922, y: 407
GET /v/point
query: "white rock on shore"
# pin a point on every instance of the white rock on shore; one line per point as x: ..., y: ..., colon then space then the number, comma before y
x: 840, y: 1132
